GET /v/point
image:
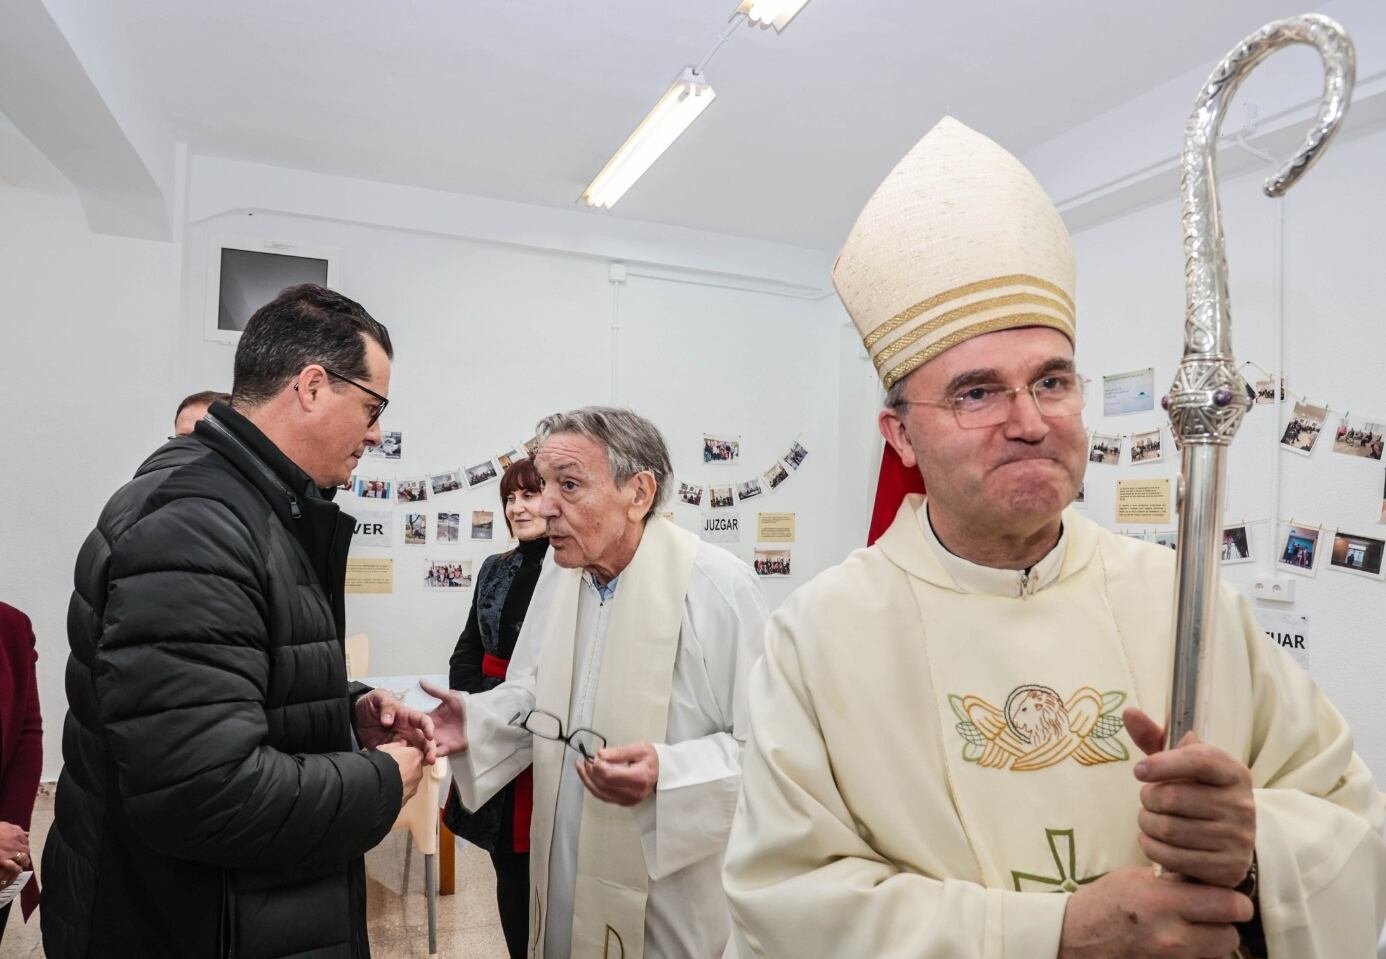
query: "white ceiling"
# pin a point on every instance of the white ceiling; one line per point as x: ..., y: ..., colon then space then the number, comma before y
x: 526, y: 100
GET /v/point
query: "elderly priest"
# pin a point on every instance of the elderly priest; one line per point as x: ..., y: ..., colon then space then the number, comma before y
x: 953, y: 752
x: 627, y: 691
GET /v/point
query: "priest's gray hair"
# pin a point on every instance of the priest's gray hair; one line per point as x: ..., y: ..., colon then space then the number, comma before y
x: 633, y: 444
x: 895, y: 396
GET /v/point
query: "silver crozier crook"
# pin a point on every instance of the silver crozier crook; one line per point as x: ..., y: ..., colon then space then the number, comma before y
x: 1209, y: 397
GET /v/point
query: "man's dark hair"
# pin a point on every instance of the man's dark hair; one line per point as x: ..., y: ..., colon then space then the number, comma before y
x: 302, y: 325
x: 204, y: 398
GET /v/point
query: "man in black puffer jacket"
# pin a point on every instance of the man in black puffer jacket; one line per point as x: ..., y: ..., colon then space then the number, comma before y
x: 214, y: 801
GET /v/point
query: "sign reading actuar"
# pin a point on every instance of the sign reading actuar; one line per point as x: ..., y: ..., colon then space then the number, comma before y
x: 1289, y: 631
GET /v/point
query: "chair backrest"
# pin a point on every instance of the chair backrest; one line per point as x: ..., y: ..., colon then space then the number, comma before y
x: 358, y: 656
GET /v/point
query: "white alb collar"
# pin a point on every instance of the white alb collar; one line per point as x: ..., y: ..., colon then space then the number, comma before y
x: 972, y: 578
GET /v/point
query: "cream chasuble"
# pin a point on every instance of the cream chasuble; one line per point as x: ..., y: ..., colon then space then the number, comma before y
x: 938, y: 757
x: 662, y: 658
x: 1039, y: 706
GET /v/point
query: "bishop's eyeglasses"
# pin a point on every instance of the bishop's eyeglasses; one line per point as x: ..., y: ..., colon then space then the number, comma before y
x: 544, y: 724
x: 989, y: 404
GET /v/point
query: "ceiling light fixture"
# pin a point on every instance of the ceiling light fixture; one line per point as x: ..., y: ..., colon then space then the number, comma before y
x: 681, y: 104
x: 770, y: 13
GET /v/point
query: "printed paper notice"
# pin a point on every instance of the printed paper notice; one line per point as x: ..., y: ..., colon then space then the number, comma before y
x: 1132, y: 392
x: 774, y: 527
x: 1142, y: 501
x: 370, y: 575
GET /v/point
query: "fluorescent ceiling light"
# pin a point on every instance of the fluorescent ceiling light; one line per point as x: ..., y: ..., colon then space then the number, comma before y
x: 681, y: 104
x: 771, y: 13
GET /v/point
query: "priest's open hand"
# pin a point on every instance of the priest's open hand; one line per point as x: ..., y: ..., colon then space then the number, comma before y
x: 1199, y: 815
x: 624, y: 775
x: 381, y: 719
x: 449, y: 719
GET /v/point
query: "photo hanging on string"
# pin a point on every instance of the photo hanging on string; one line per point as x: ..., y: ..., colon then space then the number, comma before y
x: 1302, y: 432
x: 721, y: 450
x: 749, y: 489
x: 1104, y: 449
x: 372, y: 488
x: 448, y: 482
x: 720, y: 497
x: 481, y: 474
x: 391, y: 446
x: 510, y: 456
x: 1299, y: 549
x: 1357, y: 554
x: 771, y: 562
x: 411, y: 490
x: 415, y: 529
x: 1146, y: 447
x: 448, y: 528
x: 1359, y: 437
x: 1236, y: 545
x: 483, y: 524
x: 1168, y: 538
x: 447, y: 574
x: 690, y: 494
x: 1265, y: 391
x: 795, y: 457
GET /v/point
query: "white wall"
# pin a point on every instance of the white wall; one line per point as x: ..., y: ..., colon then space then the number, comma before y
x: 501, y: 314
x: 1131, y: 307
x: 86, y: 353
x: 489, y: 338
x: 490, y: 334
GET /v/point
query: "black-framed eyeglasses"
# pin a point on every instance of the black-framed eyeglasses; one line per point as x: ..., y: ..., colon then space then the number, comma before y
x: 544, y: 724
x: 989, y: 404
x: 377, y: 409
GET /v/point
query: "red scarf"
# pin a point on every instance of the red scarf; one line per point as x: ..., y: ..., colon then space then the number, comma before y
x: 895, y: 483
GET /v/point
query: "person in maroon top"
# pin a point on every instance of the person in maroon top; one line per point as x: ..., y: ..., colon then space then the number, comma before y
x: 503, y: 590
x: 21, y: 753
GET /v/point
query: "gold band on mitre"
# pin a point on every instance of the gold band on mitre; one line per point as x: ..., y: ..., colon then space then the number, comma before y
x: 958, y: 241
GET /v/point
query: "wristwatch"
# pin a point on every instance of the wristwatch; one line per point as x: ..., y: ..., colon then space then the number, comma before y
x: 1252, y: 933
x: 1247, y: 887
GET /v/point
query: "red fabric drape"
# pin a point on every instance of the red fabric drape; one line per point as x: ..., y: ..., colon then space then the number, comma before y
x: 895, y: 483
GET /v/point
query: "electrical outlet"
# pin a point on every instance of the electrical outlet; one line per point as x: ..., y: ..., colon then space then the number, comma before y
x: 1277, y: 589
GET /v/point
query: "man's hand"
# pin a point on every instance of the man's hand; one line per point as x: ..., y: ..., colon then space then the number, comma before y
x: 14, y: 852
x: 1199, y: 815
x: 449, y: 719
x: 624, y: 775
x: 380, y: 719
x: 1130, y: 914
x: 411, y: 765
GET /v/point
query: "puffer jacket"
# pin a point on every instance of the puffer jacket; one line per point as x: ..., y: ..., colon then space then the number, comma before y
x: 211, y: 801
